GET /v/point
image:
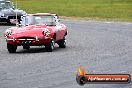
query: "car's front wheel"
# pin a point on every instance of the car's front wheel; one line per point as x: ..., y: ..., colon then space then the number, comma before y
x: 62, y: 43
x: 50, y: 46
x: 11, y: 48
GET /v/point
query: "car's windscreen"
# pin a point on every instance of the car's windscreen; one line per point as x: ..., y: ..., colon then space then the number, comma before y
x: 49, y: 20
x: 5, y: 5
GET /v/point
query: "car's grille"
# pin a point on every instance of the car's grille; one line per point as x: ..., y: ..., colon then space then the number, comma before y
x: 26, y: 38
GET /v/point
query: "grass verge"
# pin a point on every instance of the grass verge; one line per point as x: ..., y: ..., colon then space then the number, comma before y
x: 94, y: 9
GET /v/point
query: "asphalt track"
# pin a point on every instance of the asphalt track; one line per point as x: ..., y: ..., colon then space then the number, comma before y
x: 100, y: 47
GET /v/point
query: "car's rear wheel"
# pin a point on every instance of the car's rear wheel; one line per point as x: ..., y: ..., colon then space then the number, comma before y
x: 62, y: 43
x: 50, y: 46
x: 11, y: 48
x: 26, y: 47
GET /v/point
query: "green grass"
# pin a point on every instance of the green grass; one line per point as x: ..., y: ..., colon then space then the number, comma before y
x: 101, y: 9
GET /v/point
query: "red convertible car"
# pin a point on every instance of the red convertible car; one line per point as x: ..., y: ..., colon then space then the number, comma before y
x: 36, y: 30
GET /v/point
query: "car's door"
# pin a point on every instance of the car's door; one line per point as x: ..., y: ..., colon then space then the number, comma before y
x: 63, y: 30
x: 60, y: 29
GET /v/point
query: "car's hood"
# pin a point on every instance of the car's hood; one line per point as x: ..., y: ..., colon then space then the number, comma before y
x: 31, y: 30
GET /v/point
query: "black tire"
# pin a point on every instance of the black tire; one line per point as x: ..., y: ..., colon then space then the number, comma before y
x: 11, y: 48
x: 62, y: 43
x: 26, y: 47
x: 50, y: 46
x: 81, y: 80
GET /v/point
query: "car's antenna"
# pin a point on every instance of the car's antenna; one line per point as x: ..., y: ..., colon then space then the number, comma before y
x: 16, y: 14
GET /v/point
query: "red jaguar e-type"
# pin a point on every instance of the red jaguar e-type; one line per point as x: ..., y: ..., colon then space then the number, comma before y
x: 36, y: 30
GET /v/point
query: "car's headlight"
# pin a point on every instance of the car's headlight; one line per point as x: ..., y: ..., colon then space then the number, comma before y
x: 8, y: 32
x: 2, y: 14
x: 46, y: 32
